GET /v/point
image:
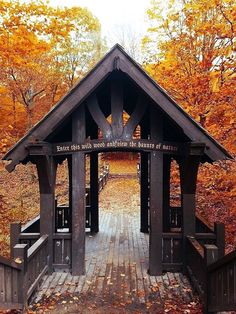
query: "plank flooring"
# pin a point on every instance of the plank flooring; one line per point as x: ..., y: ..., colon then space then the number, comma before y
x: 117, y: 262
x: 117, y: 265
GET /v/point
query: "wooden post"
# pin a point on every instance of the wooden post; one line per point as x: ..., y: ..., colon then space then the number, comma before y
x: 94, y: 192
x: 20, y: 257
x: 188, y: 176
x: 15, y: 230
x: 78, y: 194
x: 144, y: 193
x: 166, y: 193
x: 156, y: 196
x: 46, y: 167
x: 210, y: 254
x: 219, y: 229
x: 69, y: 161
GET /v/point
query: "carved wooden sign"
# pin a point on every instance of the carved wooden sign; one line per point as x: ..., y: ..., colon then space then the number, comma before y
x: 104, y: 145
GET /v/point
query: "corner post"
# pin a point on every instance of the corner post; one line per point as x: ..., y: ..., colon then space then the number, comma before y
x: 156, y: 196
x: 20, y: 256
x: 78, y: 194
x: 189, y: 166
x: 46, y: 167
x: 15, y: 230
x: 219, y: 229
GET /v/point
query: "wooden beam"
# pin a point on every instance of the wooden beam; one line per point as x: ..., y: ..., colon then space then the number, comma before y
x: 46, y: 167
x: 94, y: 199
x: 78, y: 194
x: 156, y: 196
x: 98, y: 116
x: 135, y: 117
x: 117, y: 104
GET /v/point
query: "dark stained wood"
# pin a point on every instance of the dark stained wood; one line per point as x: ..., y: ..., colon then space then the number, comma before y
x: 166, y: 193
x: 94, y: 192
x: 20, y: 252
x: 46, y: 168
x: 98, y: 116
x: 69, y: 165
x: 175, y: 112
x: 156, y: 196
x: 89, y: 84
x: 144, y: 193
x: 170, y: 148
x: 188, y: 178
x: 117, y: 104
x: 135, y: 117
x: 219, y: 230
x: 15, y: 230
x: 78, y: 195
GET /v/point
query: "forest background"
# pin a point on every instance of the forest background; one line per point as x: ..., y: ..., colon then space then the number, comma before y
x: 189, y: 49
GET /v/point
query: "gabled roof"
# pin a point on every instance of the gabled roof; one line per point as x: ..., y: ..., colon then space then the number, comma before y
x: 115, y: 59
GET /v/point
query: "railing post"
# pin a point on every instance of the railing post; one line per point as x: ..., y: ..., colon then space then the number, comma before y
x: 210, y: 254
x: 15, y: 230
x: 219, y: 229
x: 20, y: 257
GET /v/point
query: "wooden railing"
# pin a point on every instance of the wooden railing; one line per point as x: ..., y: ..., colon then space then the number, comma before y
x: 20, y: 276
x: 213, y: 278
x: 37, y: 264
x: 10, y: 276
x: 19, y: 234
x: 172, y: 251
x: 221, y: 280
x: 103, y: 177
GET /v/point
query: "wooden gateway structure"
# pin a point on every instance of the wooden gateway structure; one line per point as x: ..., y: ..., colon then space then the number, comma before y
x: 70, y: 131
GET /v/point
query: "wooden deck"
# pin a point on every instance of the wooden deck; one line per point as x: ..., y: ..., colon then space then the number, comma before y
x: 116, y: 268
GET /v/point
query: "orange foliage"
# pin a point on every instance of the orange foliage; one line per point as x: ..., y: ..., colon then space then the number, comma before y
x: 190, y: 51
x: 37, y: 66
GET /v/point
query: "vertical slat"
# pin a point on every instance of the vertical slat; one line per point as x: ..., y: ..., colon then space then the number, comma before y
x: 156, y: 196
x: 2, y: 284
x: 117, y: 108
x: 177, y: 250
x: 78, y: 194
x: 167, y: 251
x: 15, y: 276
x: 8, y: 284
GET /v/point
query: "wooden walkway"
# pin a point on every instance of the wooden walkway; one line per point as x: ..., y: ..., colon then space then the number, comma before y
x: 116, y: 269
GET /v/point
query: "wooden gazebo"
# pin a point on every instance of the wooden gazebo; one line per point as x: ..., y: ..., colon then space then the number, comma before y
x: 70, y: 131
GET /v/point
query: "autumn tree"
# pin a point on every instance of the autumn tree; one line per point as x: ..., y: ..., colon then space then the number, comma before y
x: 43, y: 50
x: 190, y: 50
